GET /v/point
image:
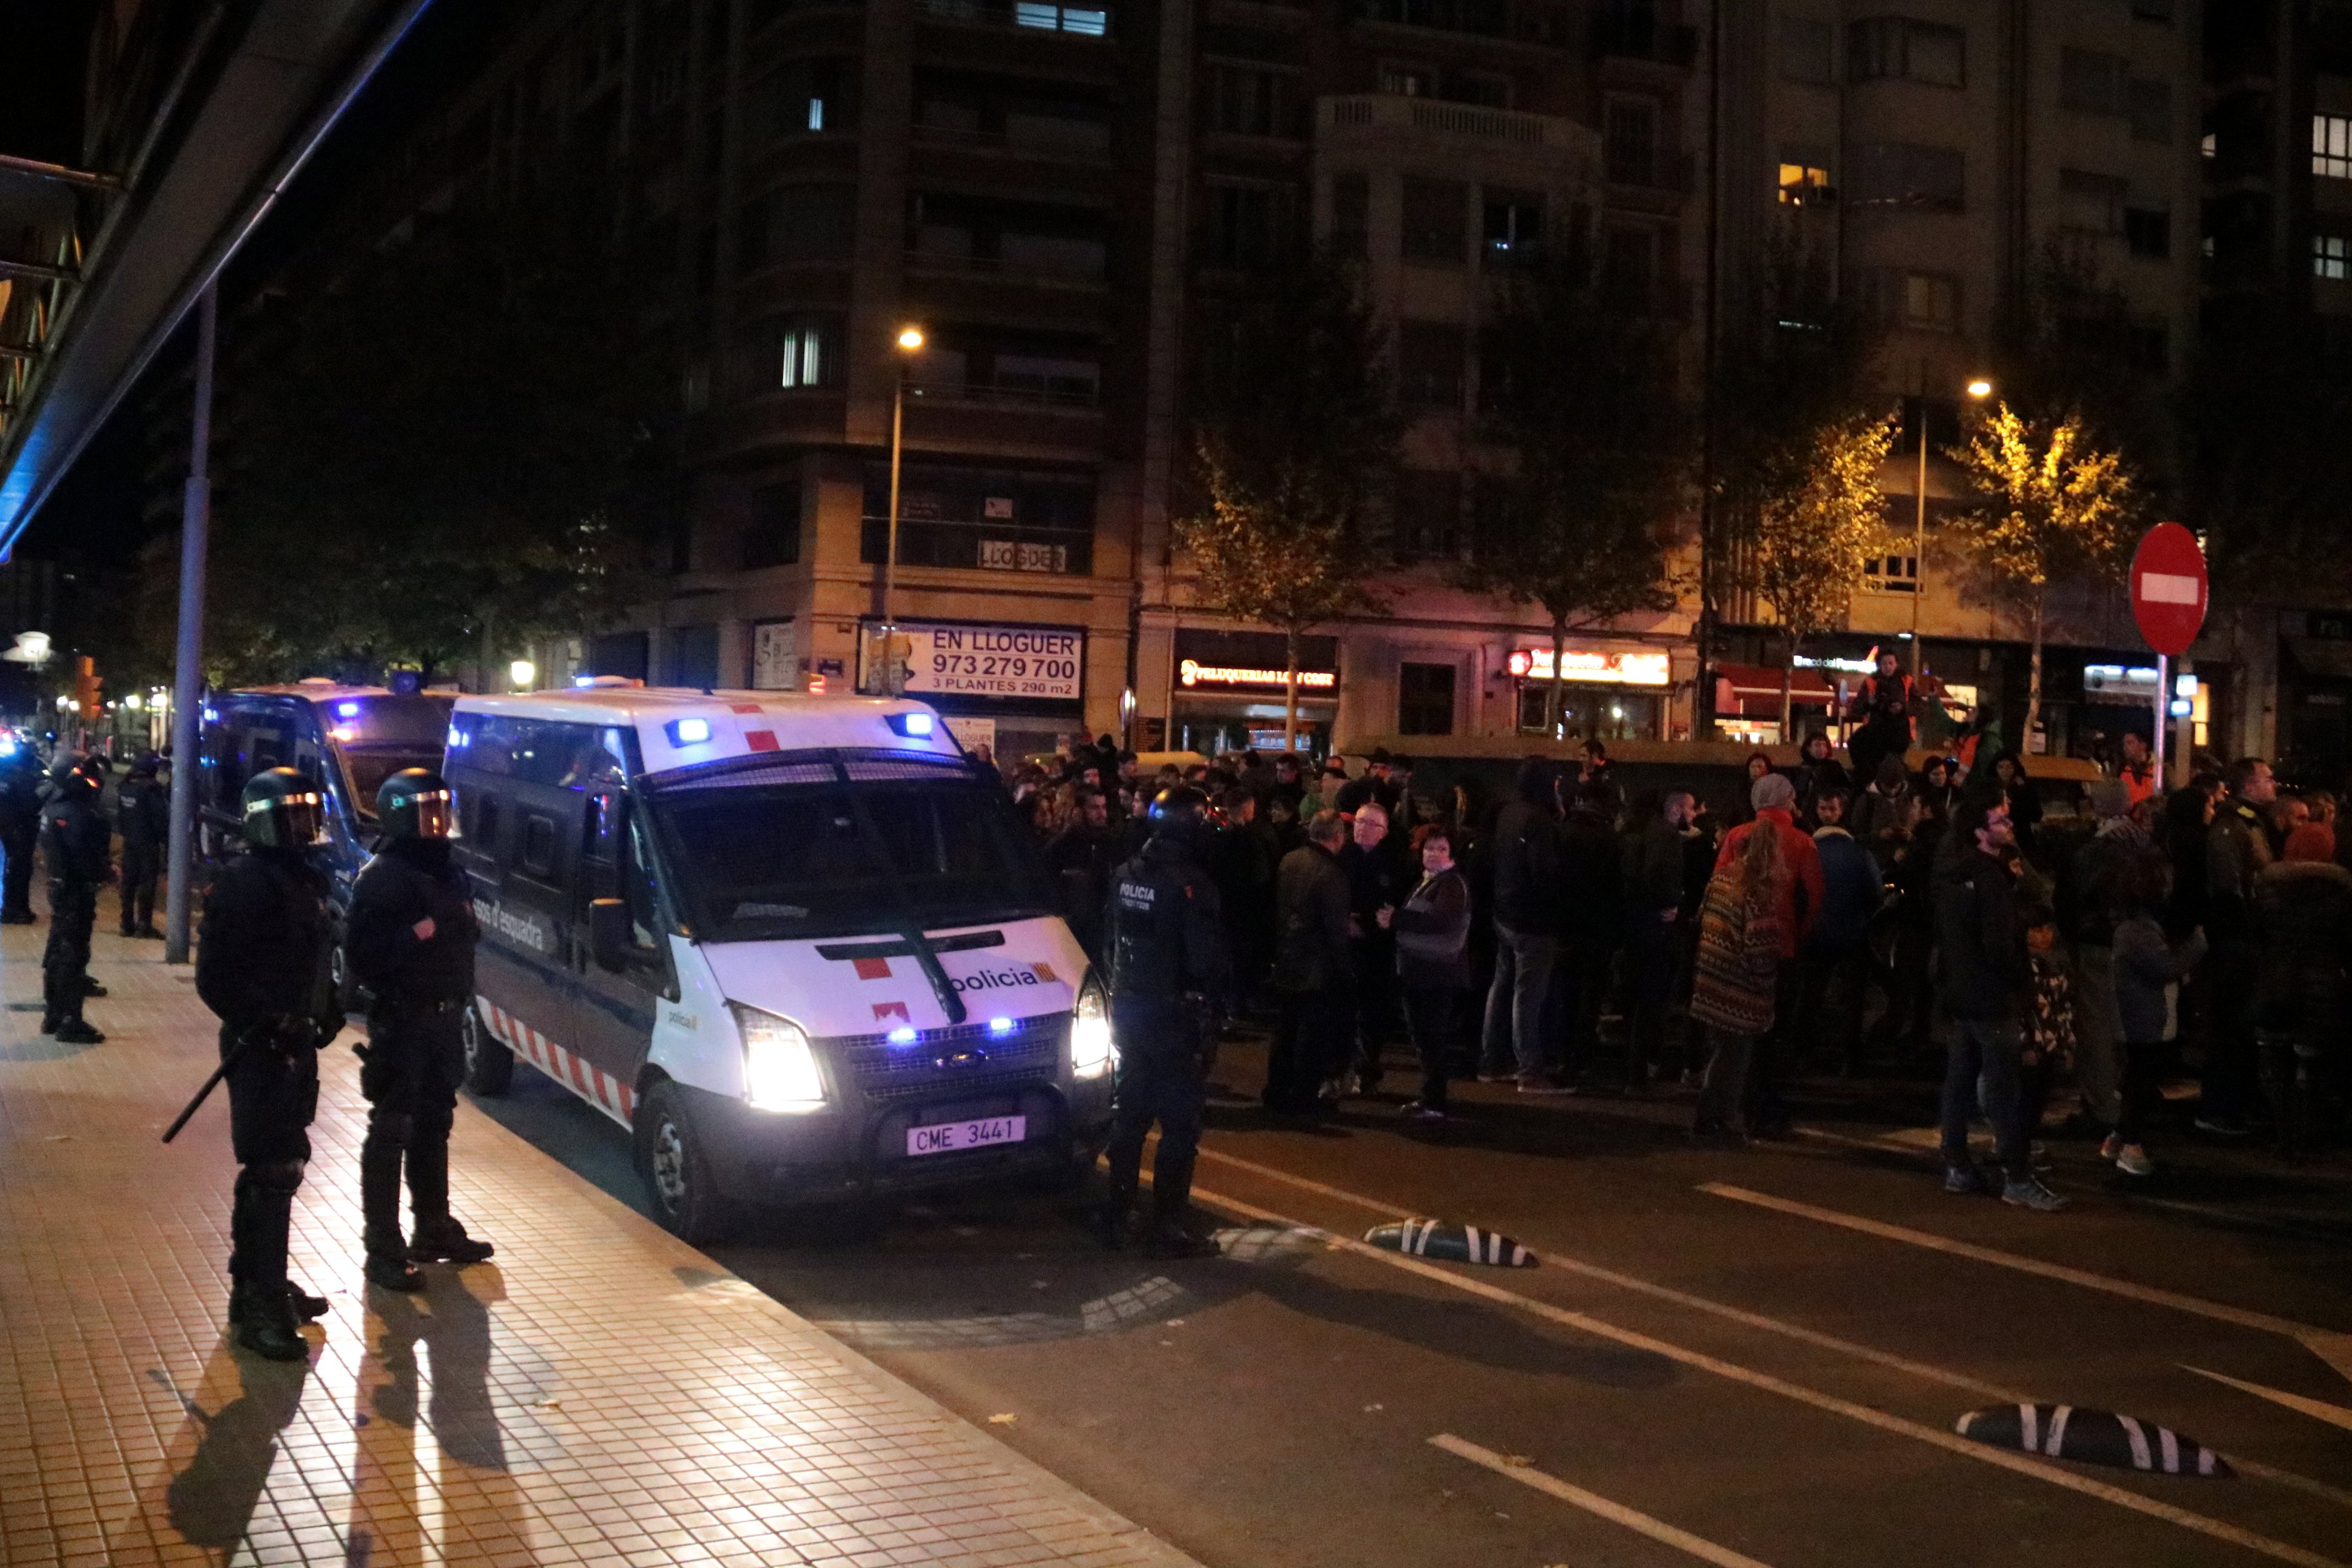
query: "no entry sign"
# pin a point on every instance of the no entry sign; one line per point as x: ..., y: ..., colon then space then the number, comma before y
x: 2169, y: 588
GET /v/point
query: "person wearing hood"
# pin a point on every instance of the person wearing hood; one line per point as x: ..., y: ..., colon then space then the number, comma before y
x: 1523, y: 860
x: 1799, y: 893
x: 1817, y: 771
x: 1835, y: 957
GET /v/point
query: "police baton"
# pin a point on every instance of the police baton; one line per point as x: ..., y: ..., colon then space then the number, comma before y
x: 210, y: 1083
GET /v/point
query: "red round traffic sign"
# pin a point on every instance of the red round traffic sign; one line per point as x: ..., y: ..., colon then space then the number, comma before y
x: 2169, y: 588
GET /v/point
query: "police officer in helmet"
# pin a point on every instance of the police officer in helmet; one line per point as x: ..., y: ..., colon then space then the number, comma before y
x: 1166, y: 949
x: 75, y: 837
x: 261, y: 966
x: 143, y: 817
x: 410, y: 944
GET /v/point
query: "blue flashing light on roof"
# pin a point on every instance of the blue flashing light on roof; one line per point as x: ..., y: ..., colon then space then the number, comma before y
x: 688, y: 731
x: 460, y: 738
x: 914, y: 726
x: 1000, y: 1025
x: 583, y: 682
x: 901, y: 1035
x: 347, y: 709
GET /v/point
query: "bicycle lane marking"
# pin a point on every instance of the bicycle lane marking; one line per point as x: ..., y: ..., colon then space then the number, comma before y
x: 1658, y: 1529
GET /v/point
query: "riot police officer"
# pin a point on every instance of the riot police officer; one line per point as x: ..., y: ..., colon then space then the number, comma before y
x: 20, y: 827
x: 143, y: 814
x: 261, y: 966
x: 1168, y: 960
x: 75, y: 838
x: 411, y: 945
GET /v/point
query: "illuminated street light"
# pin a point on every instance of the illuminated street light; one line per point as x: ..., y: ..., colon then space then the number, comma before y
x: 910, y: 342
x: 523, y: 673
x: 135, y: 702
x: 910, y: 339
x: 1980, y: 389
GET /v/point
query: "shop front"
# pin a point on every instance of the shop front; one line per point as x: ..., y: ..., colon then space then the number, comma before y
x: 1605, y: 694
x: 1226, y: 691
x: 1018, y: 689
x: 1747, y: 703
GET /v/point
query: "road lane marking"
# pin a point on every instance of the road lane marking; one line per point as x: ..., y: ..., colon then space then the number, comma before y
x: 1585, y: 1323
x: 1593, y: 1502
x: 2330, y: 1346
x: 2325, y: 1342
x: 2317, y: 1409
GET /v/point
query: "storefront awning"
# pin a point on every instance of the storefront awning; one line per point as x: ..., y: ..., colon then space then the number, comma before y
x: 1753, y: 690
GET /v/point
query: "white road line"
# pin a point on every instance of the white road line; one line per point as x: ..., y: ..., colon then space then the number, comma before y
x: 2317, y: 1409
x: 1926, y: 1371
x: 2154, y: 1296
x: 2218, y: 1529
x: 1593, y: 1502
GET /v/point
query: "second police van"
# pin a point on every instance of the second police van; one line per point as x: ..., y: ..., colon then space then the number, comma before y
x: 796, y: 944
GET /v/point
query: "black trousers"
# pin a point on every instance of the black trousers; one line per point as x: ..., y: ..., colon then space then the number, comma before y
x: 1373, y: 959
x: 1160, y: 1080
x: 412, y: 1064
x: 273, y: 1093
x: 73, y: 911
x: 1429, y: 1013
x: 1311, y: 1038
x: 16, y: 880
x: 143, y: 868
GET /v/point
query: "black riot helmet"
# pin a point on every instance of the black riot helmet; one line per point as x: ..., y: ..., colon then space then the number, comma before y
x: 283, y: 810
x: 416, y: 802
x: 1180, y: 814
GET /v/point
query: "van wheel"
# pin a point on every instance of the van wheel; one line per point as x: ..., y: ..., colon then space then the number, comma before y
x: 678, y: 1178
x: 489, y: 1066
x: 338, y: 976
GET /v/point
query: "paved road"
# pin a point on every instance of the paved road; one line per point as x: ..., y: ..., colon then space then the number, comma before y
x: 1734, y: 1357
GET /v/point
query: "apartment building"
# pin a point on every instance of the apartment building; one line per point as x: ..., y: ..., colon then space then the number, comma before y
x: 1441, y: 144
x: 1934, y: 156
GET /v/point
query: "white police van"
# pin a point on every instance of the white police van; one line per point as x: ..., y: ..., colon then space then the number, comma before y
x: 796, y: 944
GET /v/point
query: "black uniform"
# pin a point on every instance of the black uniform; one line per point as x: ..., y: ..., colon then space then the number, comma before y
x: 20, y: 830
x: 261, y: 966
x: 415, y: 1056
x: 74, y: 839
x: 1169, y: 970
x: 143, y: 817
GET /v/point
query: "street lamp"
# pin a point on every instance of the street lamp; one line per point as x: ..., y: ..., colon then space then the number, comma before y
x: 1979, y: 388
x: 523, y: 673
x: 910, y: 343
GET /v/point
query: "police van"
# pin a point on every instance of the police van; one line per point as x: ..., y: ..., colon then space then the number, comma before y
x: 797, y: 945
x: 346, y: 739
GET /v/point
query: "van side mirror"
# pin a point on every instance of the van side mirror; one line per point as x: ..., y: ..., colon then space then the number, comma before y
x: 609, y: 940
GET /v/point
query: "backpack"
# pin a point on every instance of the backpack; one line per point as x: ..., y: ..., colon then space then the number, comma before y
x: 1738, y: 966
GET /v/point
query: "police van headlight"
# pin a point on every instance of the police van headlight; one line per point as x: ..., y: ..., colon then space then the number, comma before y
x: 778, y: 1068
x: 1092, y: 1049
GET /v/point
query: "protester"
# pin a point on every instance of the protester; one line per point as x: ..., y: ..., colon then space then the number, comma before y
x: 2148, y: 970
x: 1655, y: 857
x: 2138, y: 774
x: 2049, y: 1023
x: 2237, y: 848
x: 1735, y: 986
x: 1817, y: 771
x: 1433, y: 949
x: 1377, y: 882
x: 1591, y: 870
x: 2089, y: 904
x: 1881, y: 714
x: 1834, y: 959
x: 1528, y: 895
x: 1773, y: 799
x: 1312, y: 971
x: 2303, y: 929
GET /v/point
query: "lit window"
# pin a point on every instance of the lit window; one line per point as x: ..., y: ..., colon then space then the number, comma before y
x: 1803, y: 183
x: 2331, y: 256
x: 803, y: 356
x: 2331, y: 146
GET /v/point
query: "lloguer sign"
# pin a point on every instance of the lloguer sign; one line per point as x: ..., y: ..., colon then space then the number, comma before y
x: 944, y: 659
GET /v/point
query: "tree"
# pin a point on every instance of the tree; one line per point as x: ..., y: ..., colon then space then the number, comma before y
x: 1582, y: 388
x: 1815, y: 530
x: 1292, y: 436
x: 2057, y: 508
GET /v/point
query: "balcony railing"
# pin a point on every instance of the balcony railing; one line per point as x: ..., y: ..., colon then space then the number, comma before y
x: 1382, y: 110
x: 1067, y: 141
x: 1028, y: 16
x: 1072, y: 274
x: 1002, y: 396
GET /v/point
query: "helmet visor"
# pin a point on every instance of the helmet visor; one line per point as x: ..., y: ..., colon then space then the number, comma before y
x: 436, y: 814
x: 304, y: 819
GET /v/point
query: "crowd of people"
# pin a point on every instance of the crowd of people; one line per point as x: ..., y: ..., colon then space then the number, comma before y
x: 1563, y: 937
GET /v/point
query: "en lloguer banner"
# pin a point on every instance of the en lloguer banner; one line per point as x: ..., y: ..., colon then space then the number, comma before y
x: 1035, y: 663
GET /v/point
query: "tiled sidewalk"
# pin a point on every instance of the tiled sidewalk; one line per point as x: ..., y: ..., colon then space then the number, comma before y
x: 600, y: 1394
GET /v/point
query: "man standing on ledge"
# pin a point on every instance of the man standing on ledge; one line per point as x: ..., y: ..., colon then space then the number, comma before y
x: 261, y: 966
x: 411, y: 946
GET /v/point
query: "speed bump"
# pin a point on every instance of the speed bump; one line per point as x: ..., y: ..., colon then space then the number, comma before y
x: 2092, y: 1437
x: 1450, y: 1243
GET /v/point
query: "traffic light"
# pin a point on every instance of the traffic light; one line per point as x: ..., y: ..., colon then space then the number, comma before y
x: 85, y: 692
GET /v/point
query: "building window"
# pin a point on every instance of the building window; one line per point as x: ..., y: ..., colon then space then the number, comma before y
x: 1352, y: 215
x: 804, y: 355
x: 1436, y: 213
x: 1921, y: 302
x: 1246, y: 224
x: 1804, y: 177
x: 2331, y: 256
x: 2148, y: 230
x: 1092, y: 22
x: 1900, y: 47
x: 2093, y: 83
x: 1907, y: 174
x: 2091, y: 203
x: 1629, y: 138
x: 1628, y: 266
x: 2331, y: 146
x: 1431, y: 359
x: 1808, y: 52
x: 798, y: 97
x: 795, y: 224
x: 2150, y: 106
x: 1247, y: 101
x: 1408, y: 80
x: 1425, y: 698
x: 771, y: 530
x: 1427, y: 521
x: 1891, y: 574
x: 1513, y: 228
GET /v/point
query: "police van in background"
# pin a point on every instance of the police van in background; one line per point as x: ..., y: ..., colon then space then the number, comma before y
x: 346, y: 739
x: 796, y: 944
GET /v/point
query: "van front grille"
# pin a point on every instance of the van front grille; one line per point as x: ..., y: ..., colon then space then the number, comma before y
x: 965, y: 1058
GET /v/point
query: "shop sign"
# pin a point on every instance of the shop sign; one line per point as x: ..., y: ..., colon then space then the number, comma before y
x: 1594, y: 668
x: 1191, y: 673
x: 1039, y: 663
x: 775, y: 655
x: 1014, y: 555
x: 972, y: 733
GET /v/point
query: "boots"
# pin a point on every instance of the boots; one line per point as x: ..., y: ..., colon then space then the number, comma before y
x: 387, y: 1250
x: 305, y: 1307
x: 264, y: 1320
x: 438, y: 1238
x: 261, y: 1303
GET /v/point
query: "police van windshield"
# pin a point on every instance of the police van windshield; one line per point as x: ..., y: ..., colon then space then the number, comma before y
x: 377, y: 737
x: 821, y: 856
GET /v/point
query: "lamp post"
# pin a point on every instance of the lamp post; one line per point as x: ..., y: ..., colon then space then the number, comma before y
x: 910, y: 343
x: 1979, y: 388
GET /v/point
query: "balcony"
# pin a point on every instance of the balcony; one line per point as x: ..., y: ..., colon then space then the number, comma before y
x: 1025, y: 15
x: 1432, y: 117
x: 1645, y: 37
x: 981, y: 396
x: 1072, y: 266
x: 1079, y: 141
x: 1658, y: 170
